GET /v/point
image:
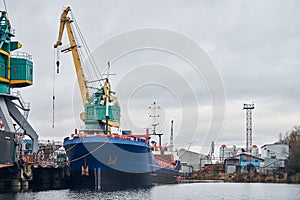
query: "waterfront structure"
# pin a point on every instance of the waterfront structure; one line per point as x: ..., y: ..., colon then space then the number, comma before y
x: 243, y: 163
x: 186, y: 170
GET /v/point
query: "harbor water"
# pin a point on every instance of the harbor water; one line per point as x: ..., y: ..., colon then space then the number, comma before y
x: 179, y: 191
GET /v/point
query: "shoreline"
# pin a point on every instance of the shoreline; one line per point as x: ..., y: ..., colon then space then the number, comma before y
x: 242, y: 178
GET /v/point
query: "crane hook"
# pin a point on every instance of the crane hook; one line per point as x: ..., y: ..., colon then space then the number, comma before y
x: 57, y: 66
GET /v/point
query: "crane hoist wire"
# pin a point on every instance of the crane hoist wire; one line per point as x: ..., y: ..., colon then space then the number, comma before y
x: 53, y: 88
x: 56, y: 56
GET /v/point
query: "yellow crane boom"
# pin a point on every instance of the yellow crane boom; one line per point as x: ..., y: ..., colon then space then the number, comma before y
x: 65, y: 21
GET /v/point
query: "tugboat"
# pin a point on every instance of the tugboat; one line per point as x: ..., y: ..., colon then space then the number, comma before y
x: 101, y: 157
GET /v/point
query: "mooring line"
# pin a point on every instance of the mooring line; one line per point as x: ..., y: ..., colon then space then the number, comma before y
x: 107, y: 140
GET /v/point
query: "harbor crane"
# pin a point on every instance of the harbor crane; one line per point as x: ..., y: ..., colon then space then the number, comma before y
x: 65, y: 21
x: 101, y: 108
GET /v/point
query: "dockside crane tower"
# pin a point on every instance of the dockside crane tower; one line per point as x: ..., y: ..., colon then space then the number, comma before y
x: 16, y: 71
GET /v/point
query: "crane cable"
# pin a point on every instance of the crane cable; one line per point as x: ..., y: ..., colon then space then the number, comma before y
x: 89, y: 70
x: 76, y: 31
x: 56, y: 64
x: 90, y: 57
x: 5, y: 7
x: 86, y: 48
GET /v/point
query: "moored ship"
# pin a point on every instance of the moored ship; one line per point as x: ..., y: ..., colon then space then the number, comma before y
x: 116, y: 161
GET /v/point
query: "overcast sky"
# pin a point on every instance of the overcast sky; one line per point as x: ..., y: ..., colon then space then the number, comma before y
x: 251, y: 48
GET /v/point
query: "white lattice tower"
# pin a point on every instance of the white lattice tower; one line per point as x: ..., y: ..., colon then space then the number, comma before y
x: 248, y: 108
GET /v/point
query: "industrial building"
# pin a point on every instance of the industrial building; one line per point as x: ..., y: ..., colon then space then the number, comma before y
x: 272, y: 158
x: 275, y: 156
x: 226, y: 152
x: 192, y: 159
x: 243, y: 163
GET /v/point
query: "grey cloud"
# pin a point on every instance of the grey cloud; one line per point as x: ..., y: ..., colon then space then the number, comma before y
x: 254, y: 44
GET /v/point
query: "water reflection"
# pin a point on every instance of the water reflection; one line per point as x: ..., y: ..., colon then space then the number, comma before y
x: 174, y: 192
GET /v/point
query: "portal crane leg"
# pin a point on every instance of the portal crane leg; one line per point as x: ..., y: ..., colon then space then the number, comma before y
x: 9, y: 110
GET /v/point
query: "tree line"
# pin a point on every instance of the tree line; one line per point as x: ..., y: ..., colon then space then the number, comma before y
x: 292, y: 138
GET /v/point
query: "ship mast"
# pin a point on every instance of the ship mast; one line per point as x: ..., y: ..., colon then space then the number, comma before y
x: 107, y: 99
x: 153, y: 115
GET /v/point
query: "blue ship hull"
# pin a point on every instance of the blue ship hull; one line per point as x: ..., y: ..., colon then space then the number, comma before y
x: 106, y: 162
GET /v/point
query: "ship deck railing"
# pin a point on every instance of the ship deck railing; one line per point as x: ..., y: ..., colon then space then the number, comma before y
x: 137, y: 138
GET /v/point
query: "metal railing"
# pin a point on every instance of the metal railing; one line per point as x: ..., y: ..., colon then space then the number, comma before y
x: 20, y: 54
